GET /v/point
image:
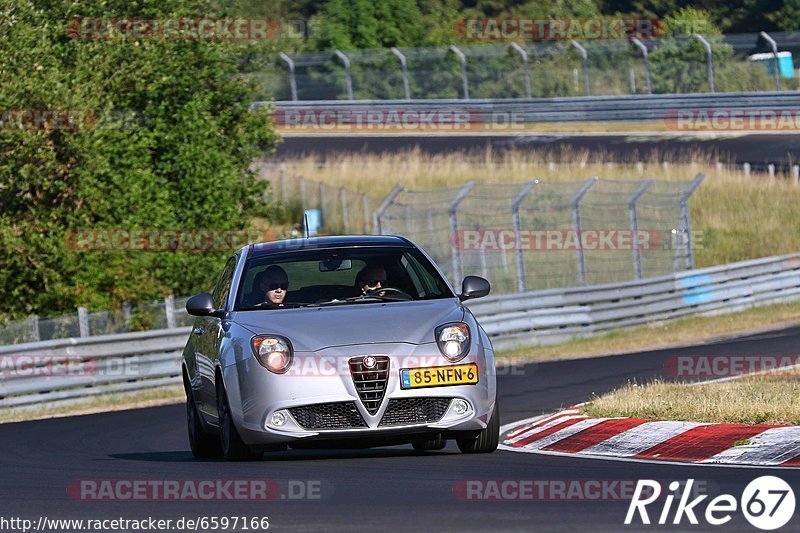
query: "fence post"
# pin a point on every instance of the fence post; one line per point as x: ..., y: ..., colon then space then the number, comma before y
x: 585, y: 56
x: 524, y: 56
x: 302, y: 194
x: 771, y: 170
x: 292, y: 80
x: 33, y: 328
x: 282, y: 174
x: 323, y: 204
x: 709, y: 60
x: 643, y: 49
x: 576, y: 225
x: 169, y: 307
x: 632, y: 80
x: 404, y: 68
x: 684, y: 226
x: 520, y: 257
x: 463, y: 59
x: 453, y: 214
x: 83, y: 321
x: 397, y: 189
x: 127, y: 314
x: 746, y: 168
x: 343, y: 197
x: 637, y: 259
x: 347, y: 78
x: 796, y: 174
x: 365, y: 211
x: 774, y: 46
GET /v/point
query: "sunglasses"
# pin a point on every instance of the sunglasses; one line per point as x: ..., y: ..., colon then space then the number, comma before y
x: 373, y: 282
x: 273, y: 286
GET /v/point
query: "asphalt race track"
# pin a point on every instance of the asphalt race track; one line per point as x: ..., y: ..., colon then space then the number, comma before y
x: 781, y: 149
x: 368, y: 490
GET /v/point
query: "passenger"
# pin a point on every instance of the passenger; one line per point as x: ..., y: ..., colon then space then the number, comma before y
x: 371, y: 278
x: 274, y: 283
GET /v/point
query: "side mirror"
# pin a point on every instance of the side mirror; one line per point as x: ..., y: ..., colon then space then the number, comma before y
x: 474, y: 287
x: 203, y: 305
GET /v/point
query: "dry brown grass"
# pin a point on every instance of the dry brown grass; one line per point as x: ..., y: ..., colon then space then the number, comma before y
x: 765, y: 399
x: 100, y: 404
x: 662, y: 335
x: 740, y: 217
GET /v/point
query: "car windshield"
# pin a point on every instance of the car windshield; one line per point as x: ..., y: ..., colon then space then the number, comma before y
x: 341, y: 276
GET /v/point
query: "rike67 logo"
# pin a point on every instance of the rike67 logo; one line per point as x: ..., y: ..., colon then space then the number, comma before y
x: 766, y: 502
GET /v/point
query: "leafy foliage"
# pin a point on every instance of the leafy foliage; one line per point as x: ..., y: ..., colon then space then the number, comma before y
x: 168, y: 146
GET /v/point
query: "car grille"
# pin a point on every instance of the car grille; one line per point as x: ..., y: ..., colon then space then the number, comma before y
x: 339, y: 415
x: 414, y: 411
x: 370, y: 382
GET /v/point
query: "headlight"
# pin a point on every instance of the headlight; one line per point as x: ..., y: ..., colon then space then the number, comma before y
x: 274, y: 353
x: 453, y: 341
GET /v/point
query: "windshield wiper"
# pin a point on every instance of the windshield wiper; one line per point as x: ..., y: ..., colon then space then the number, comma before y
x: 270, y: 305
x: 364, y: 299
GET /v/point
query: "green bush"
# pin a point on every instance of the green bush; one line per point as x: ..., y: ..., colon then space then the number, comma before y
x: 179, y: 160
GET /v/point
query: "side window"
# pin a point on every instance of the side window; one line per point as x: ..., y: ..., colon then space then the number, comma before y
x: 223, y: 288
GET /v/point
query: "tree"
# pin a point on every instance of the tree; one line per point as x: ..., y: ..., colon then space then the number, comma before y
x: 679, y: 60
x: 165, y: 142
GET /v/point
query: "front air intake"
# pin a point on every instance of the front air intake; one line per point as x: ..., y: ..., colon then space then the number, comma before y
x: 370, y: 381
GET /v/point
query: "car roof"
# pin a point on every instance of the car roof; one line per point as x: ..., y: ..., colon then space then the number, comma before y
x: 328, y: 242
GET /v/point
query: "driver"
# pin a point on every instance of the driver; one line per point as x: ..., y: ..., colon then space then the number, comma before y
x: 274, y: 283
x: 371, y: 278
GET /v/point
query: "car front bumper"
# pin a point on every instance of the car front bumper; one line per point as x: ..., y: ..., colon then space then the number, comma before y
x: 323, y: 378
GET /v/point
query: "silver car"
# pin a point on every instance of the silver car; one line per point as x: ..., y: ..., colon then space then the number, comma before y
x: 340, y: 360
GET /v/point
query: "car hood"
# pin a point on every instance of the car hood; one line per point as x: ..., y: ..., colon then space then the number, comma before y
x: 316, y: 328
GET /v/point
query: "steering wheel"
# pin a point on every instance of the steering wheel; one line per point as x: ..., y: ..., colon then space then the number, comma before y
x: 386, y: 290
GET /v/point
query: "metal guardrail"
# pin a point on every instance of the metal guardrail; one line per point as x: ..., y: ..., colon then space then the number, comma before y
x: 554, y: 316
x: 139, y: 361
x: 40, y: 373
x: 495, y: 113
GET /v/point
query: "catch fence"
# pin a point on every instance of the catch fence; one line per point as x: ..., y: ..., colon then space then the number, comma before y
x: 564, y: 68
x: 542, y: 235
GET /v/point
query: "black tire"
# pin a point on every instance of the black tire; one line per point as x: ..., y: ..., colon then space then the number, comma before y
x: 202, y: 443
x: 485, y: 441
x: 233, y: 448
x: 431, y: 444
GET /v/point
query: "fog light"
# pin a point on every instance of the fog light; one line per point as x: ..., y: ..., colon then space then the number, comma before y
x: 278, y: 418
x: 460, y: 407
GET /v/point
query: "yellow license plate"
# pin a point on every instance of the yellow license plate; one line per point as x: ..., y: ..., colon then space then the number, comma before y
x: 438, y: 376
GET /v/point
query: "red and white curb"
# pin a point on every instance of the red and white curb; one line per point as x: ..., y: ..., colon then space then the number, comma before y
x: 569, y: 432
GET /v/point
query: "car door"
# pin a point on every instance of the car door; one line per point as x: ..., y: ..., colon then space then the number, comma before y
x: 209, y: 336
